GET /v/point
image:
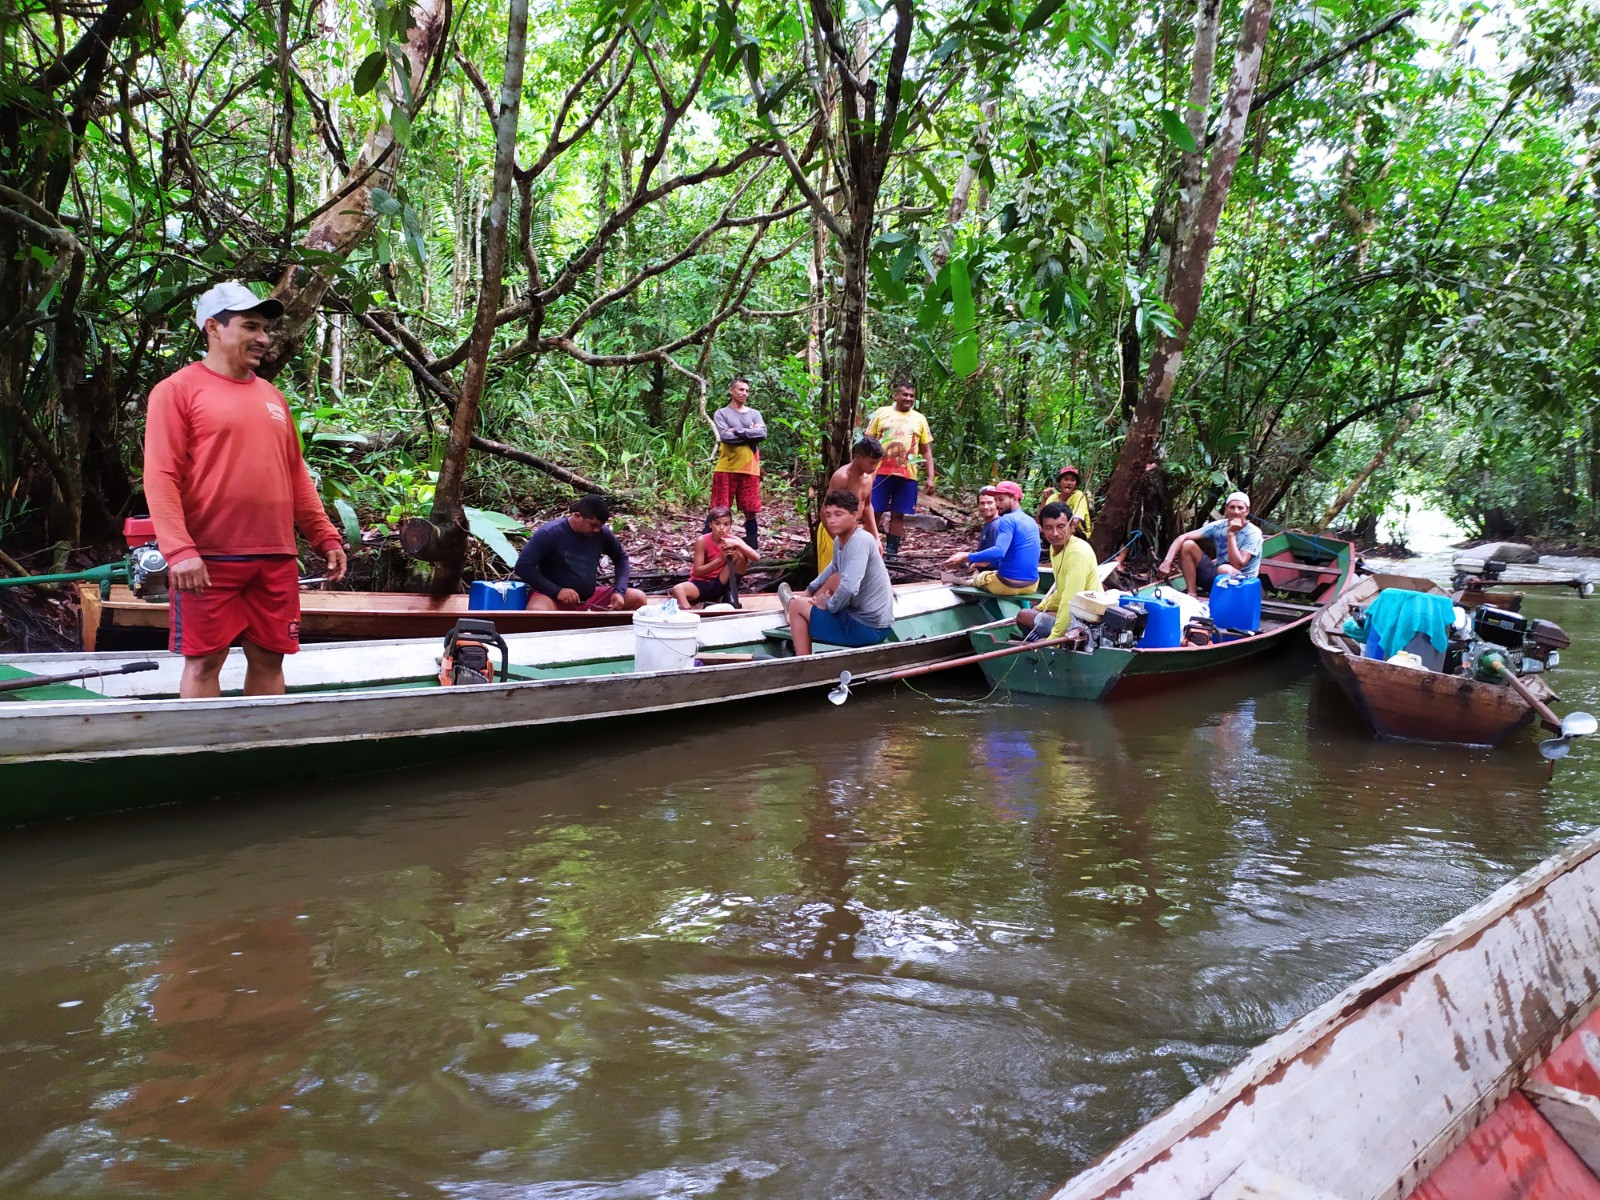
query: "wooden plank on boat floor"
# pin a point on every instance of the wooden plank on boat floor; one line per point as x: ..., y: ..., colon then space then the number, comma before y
x: 1573, y: 1115
x: 1514, y: 1155
x: 1575, y: 1063
x: 1255, y: 1182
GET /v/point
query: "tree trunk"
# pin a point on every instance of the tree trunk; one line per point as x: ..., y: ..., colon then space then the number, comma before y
x: 962, y: 192
x: 446, y: 548
x: 1349, y: 494
x: 1186, y: 283
x: 346, y: 217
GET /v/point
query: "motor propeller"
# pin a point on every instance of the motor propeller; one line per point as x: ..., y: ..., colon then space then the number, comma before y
x: 1575, y: 724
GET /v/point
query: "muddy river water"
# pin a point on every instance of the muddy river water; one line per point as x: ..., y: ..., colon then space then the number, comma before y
x: 932, y: 943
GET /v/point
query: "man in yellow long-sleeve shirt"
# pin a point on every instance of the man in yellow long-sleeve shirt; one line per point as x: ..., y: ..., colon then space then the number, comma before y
x: 1072, y: 562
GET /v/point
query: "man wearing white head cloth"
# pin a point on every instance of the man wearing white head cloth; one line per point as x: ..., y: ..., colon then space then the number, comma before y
x: 1237, y: 549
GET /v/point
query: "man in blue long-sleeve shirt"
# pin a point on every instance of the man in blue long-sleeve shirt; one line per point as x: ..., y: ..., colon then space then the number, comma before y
x: 560, y: 563
x: 1014, y: 556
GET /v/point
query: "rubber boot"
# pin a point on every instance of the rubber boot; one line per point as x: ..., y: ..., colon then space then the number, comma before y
x: 892, y: 542
x: 733, y: 588
x: 750, y: 530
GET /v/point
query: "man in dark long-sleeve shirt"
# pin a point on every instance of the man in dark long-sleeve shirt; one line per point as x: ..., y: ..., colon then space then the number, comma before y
x: 560, y: 563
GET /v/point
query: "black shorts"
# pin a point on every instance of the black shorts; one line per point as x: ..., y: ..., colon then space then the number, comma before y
x: 709, y: 590
x: 1205, y: 574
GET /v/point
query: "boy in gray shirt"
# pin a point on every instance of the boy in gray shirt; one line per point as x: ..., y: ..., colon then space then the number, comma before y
x: 852, y: 602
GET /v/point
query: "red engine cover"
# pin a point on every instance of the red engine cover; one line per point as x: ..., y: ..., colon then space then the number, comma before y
x: 138, y: 531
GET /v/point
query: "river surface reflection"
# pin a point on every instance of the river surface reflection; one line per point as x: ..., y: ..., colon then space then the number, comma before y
x: 920, y: 945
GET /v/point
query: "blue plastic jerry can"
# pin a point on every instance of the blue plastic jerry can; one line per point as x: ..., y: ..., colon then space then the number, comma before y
x: 1236, y: 603
x: 1163, y: 629
x: 490, y: 596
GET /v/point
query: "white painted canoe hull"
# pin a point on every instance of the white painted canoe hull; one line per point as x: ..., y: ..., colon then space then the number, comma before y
x: 1366, y: 1095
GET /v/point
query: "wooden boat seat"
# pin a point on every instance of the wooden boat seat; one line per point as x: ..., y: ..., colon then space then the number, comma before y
x: 972, y: 593
x: 784, y: 636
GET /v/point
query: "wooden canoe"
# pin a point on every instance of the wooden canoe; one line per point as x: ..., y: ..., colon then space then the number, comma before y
x: 1432, y: 1077
x: 126, y: 740
x: 1299, y: 574
x: 122, y: 621
x: 1411, y: 705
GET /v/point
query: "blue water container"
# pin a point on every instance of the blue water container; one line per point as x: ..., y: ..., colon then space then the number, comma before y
x: 1236, y: 603
x: 1164, y: 628
x: 487, y: 596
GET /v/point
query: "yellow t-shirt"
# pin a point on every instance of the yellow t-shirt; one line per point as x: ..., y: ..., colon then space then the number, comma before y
x: 1075, y: 570
x: 824, y: 548
x: 1077, y: 504
x: 902, y: 435
x: 737, y: 460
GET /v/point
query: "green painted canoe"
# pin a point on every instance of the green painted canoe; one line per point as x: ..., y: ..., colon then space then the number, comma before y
x: 126, y: 740
x: 1299, y: 574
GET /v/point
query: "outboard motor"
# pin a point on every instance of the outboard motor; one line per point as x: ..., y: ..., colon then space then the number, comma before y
x: 1500, y: 627
x: 1123, y: 625
x: 1542, y: 647
x: 147, y: 569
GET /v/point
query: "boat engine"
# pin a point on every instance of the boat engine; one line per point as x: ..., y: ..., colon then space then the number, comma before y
x: 1542, y: 647
x: 466, y: 658
x: 1473, y: 574
x: 1122, y: 626
x: 147, y: 568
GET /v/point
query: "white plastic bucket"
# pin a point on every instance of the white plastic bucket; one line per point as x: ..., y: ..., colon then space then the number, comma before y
x: 664, y: 641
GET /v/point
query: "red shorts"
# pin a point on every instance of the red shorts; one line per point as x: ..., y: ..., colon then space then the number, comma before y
x: 729, y: 489
x: 600, y: 601
x: 258, y: 597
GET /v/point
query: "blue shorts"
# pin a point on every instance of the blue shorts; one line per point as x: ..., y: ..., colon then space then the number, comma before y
x: 894, y: 493
x: 841, y: 629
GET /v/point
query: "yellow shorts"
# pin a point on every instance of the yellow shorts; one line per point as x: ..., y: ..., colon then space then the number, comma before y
x: 824, y: 549
x: 991, y: 582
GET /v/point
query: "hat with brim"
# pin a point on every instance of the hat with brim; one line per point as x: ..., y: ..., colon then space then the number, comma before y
x: 234, y: 297
x: 989, y: 490
x: 1007, y: 488
x: 1070, y: 470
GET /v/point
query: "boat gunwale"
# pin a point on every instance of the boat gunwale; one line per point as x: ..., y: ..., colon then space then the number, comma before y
x: 1201, y: 1112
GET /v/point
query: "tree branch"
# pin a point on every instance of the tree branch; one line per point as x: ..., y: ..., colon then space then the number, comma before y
x: 1322, y: 60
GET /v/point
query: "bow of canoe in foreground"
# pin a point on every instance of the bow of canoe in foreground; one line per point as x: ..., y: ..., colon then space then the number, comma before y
x: 126, y: 740
x: 1433, y: 1077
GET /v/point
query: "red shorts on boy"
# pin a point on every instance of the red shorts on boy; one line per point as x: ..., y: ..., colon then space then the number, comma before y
x: 598, y: 601
x: 729, y: 489
x: 258, y: 597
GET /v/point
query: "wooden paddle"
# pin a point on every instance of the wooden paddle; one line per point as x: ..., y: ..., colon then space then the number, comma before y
x: 33, y: 681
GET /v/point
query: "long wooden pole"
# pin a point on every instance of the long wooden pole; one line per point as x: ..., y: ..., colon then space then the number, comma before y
x: 930, y: 668
x: 1546, y: 714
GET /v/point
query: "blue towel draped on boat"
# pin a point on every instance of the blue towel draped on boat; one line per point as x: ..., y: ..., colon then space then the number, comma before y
x: 1397, y: 615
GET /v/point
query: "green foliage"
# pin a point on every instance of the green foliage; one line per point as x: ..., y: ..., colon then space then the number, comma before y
x: 1411, y: 223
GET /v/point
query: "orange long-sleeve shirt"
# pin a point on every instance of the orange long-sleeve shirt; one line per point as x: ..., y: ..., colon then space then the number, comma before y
x: 223, y: 472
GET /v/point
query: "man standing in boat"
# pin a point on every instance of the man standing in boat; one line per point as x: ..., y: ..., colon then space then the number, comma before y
x: 903, y: 431
x: 1237, y: 549
x: 226, y: 485
x: 560, y: 563
x: 856, y: 477
x: 736, y: 479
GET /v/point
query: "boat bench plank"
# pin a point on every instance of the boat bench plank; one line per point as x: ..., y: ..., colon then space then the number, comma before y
x: 1254, y: 1182
x: 784, y: 636
x: 1575, y: 1116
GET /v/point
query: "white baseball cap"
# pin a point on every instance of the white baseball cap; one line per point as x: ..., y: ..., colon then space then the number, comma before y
x: 233, y: 297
